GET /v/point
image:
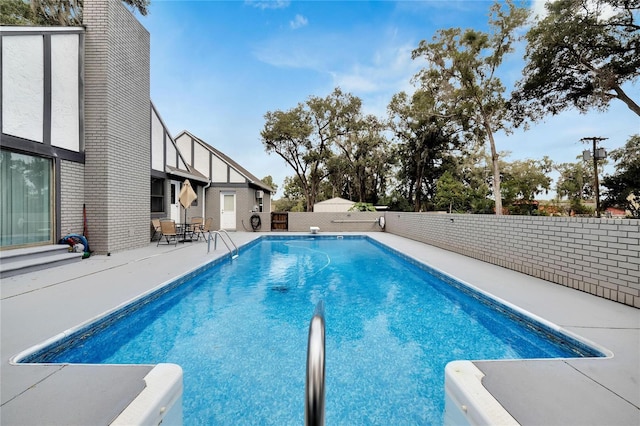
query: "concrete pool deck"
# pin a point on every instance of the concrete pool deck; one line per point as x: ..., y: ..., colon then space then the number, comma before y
x: 36, y: 306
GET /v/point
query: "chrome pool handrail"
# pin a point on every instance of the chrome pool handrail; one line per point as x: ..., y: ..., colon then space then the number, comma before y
x: 314, y: 386
x: 215, y: 242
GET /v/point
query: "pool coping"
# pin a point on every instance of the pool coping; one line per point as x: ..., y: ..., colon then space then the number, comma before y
x: 20, y: 292
x: 42, y: 352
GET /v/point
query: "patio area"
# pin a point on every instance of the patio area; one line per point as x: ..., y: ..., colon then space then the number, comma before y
x: 39, y: 305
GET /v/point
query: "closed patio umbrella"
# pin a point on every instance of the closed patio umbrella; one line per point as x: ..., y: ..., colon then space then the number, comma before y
x: 187, y: 196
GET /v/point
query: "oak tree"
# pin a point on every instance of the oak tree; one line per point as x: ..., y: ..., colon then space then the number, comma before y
x: 463, y: 64
x: 424, y: 143
x: 626, y: 178
x: 580, y: 55
x: 305, y: 135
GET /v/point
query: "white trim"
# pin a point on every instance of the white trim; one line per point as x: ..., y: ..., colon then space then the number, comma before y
x: 159, y: 402
x: 467, y: 402
x: 21, y: 29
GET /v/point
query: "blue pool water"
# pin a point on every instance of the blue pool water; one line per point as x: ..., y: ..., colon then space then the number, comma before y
x: 239, y: 331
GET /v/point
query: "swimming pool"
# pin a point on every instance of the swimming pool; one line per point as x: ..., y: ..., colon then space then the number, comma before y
x: 239, y: 331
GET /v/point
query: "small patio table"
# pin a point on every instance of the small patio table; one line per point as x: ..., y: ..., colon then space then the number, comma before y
x: 185, y: 231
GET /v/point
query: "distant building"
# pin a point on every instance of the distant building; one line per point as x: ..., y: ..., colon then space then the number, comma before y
x: 615, y: 212
x: 333, y: 205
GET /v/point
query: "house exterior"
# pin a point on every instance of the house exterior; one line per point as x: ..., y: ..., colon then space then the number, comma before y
x: 42, y: 143
x: 227, y: 192
x: 234, y: 194
x: 614, y: 212
x: 336, y: 204
x: 75, y: 114
x: 83, y: 149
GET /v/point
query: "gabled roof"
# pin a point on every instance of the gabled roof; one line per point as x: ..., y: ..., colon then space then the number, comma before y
x: 184, y: 170
x: 244, y: 172
x: 192, y: 174
x: 336, y: 200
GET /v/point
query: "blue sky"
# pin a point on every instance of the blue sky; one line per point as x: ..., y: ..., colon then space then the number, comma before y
x: 218, y: 66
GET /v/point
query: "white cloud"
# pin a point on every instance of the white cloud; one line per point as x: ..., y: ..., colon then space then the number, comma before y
x: 268, y: 4
x: 389, y: 68
x: 372, y: 75
x: 298, y: 22
x: 605, y: 11
x: 537, y: 8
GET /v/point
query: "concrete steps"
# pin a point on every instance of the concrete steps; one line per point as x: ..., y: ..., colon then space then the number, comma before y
x: 21, y: 261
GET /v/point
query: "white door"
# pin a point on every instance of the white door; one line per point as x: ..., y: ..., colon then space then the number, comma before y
x: 174, y: 207
x: 228, y: 211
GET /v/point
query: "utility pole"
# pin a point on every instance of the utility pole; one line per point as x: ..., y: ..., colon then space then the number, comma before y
x: 596, y: 154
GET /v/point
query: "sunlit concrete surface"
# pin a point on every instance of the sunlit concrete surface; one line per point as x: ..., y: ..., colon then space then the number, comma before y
x: 39, y: 305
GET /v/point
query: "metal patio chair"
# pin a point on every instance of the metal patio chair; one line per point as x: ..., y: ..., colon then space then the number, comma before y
x: 155, y: 224
x: 203, y: 228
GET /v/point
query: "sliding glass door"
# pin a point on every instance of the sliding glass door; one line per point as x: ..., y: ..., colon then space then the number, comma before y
x: 25, y: 200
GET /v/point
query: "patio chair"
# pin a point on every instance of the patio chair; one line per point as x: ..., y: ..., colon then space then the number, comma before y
x: 205, y: 227
x: 155, y: 224
x: 195, y: 225
x: 169, y: 231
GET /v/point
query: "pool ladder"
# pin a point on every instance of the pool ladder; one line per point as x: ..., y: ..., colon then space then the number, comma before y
x: 314, y: 387
x: 234, y: 251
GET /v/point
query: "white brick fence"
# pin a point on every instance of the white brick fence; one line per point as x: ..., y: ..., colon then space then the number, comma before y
x: 598, y: 256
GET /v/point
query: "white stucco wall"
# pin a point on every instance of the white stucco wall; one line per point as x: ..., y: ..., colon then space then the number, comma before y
x: 171, y: 155
x: 201, y: 159
x: 184, y: 145
x: 235, y: 177
x: 65, y: 100
x: 218, y: 170
x: 22, y: 86
x: 157, y: 143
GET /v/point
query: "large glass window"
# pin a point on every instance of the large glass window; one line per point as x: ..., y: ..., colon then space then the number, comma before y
x: 25, y: 195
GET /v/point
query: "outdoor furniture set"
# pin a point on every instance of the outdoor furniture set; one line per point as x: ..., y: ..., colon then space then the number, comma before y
x: 170, y: 231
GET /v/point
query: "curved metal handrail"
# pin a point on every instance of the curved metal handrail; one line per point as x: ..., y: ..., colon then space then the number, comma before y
x: 215, y: 242
x: 230, y: 240
x: 314, y: 387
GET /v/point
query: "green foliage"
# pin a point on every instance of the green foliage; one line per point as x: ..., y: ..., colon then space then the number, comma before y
x: 268, y: 180
x: 462, y: 72
x: 15, y: 12
x: 579, y: 56
x: 424, y: 145
x: 575, y: 181
x: 626, y: 179
x: 57, y: 12
x: 292, y: 188
x: 288, y: 205
x: 362, y: 207
x: 329, y: 137
x: 141, y: 6
x: 363, y: 161
x: 396, y: 202
x: 634, y: 205
x: 53, y: 12
x: 451, y: 194
x: 465, y: 189
x: 579, y: 209
x: 522, y: 180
